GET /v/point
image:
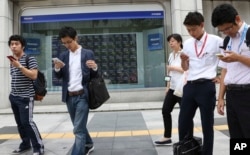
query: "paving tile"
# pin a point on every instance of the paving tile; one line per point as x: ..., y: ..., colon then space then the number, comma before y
x: 145, y: 127
x: 145, y: 151
x: 122, y: 123
x: 8, y: 129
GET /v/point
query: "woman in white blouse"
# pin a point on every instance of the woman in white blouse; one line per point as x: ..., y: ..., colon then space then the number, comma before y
x: 174, y: 75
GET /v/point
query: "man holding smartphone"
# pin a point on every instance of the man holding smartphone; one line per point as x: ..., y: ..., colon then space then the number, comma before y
x: 22, y: 96
x: 235, y: 74
x: 76, y: 70
x: 199, y: 58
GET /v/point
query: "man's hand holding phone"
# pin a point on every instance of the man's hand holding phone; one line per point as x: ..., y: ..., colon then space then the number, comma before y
x: 14, y: 62
x: 219, y: 55
x: 58, y: 63
x: 230, y: 56
x: 11, y: 58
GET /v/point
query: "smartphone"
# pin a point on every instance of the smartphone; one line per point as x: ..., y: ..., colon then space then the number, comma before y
x: 11, y: 57
x: 167, y: 78
x: 58, y: 60
x: 219, y: 55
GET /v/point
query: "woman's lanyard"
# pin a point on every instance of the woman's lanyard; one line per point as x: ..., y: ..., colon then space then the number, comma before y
x: 202, y: 48
x: 242, y: 37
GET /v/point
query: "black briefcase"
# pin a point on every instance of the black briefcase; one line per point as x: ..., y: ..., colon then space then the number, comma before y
x: 190, y: 146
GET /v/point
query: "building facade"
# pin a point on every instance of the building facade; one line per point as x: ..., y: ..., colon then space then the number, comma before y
x: 128, y: 38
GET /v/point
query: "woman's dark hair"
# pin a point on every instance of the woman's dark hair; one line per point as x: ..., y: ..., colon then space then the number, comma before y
x: 193, y: 18
x: 224, y: 13
x: 19, y: 38
x: 177, y: 37
x: 67, y: 32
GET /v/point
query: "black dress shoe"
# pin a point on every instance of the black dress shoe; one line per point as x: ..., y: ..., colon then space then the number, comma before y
x: 166, y: 142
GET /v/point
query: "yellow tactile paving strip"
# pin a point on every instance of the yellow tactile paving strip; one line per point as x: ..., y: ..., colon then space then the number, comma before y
x: 109, y: 133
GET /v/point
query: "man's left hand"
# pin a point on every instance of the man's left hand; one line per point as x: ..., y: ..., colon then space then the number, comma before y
x: 91, y: 64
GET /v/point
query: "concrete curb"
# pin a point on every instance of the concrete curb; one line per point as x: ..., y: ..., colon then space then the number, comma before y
x: 45, y: 109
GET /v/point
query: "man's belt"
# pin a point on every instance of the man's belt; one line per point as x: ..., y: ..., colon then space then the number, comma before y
x: 75, y: 93
x: 238, y: 87
x: 202, y: 80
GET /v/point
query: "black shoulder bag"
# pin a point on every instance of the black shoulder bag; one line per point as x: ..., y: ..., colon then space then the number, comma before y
x: 98, y: 93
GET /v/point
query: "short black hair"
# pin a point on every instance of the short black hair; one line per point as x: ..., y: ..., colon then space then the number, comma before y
x: 67, y: 31
x: 177, y: 37
x: 193, y: 18
x: 223, y: 13
x: 19, y: 38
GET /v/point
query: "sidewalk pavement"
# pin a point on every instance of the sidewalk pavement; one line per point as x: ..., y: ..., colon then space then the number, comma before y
x: 116, y: 128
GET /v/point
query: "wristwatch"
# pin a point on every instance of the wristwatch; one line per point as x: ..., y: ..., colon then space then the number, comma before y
x: 20, y: 67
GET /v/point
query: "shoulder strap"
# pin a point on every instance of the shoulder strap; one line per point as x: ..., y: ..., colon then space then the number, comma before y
x: 225, y: 42
x: 247, y: 41
x: 27, y: 61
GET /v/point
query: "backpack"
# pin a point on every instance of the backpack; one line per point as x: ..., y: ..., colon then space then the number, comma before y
x: 40, y: 84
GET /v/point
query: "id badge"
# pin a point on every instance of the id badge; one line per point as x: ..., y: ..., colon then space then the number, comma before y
x: 167, y: 78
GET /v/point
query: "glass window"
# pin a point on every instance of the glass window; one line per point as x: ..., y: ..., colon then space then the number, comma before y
x: 128, y: 46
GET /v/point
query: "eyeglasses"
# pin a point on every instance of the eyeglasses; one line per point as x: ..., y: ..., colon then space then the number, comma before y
x: 227, y: 29
x: 67, y: 42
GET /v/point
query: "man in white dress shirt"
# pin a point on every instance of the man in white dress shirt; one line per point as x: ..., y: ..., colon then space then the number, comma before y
x: 235, y: 75
x: 199, y: 58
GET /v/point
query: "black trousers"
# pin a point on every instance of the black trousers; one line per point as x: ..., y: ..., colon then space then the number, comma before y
x: 168, y: 106
x: 198, y: 95
x: 238, y: 113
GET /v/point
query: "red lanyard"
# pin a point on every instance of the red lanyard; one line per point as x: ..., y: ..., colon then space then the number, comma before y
x: 201, y: 51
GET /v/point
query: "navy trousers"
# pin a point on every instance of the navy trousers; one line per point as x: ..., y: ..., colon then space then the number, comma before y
x: 28, y: 131
x: 200, y: 95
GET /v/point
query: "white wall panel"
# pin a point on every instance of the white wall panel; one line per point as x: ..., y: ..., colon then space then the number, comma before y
x: 91, y: 9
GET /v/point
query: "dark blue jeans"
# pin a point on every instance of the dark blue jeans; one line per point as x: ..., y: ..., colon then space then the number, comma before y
x: 202, y: 96
x: 28, y: 131
x: 78, y: 109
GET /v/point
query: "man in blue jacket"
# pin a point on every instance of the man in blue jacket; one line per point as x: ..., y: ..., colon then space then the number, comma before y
x: 76, y: 66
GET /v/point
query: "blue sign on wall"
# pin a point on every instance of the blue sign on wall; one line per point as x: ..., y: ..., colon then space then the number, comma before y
x: 155, y: 41
x: 92, y: 16
x: 32, y: 46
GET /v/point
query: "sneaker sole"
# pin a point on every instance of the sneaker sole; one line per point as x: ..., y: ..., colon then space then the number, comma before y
x: 90, y: 150
x: 22, y: 151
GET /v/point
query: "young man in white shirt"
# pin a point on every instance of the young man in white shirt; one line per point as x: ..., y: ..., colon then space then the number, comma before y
x: 235, y: 75
x: 199, y: 58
